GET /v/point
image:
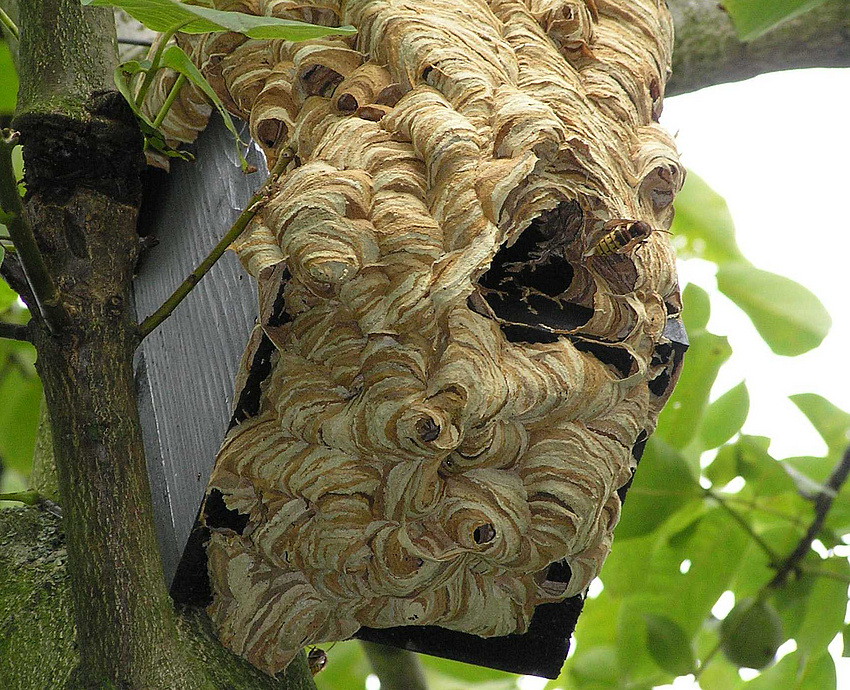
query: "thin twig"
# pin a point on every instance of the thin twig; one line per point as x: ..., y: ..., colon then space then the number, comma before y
x: 134, y: 42
x: 754, y: 505
x: 773, y: 557
x: 703, y: 664
x: 169, y: 100
x: 823, y: 502
x: 254, y: 205
x: 6, y: 21
x: 398, y: 669
x: 820, y: 572
x: 14, y: 331
x: 156, y: 58
x: 29, y: 498
x: 33, y: 498
x: 38, y: 277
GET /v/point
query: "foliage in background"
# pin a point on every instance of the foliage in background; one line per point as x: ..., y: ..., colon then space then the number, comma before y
x: 710, y: 512
x: 20, y: 389
x: 755, y: 18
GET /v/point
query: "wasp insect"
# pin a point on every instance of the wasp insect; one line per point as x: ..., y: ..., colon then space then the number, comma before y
x: 623, y: 236
x: 317, y: 659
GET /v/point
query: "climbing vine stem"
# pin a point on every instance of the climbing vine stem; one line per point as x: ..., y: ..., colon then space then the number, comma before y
x: 38, y: 277
x: 6, y: 21
x: 238, y: 227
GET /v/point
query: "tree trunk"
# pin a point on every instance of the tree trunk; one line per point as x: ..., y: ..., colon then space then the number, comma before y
x: 82, y: 149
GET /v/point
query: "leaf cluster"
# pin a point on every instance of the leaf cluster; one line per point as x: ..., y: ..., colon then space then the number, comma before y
x: 171, y: 17
x: 712, y: 514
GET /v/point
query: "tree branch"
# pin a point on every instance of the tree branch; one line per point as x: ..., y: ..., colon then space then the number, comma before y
x: 823, y: 502
x: 164, y: 311
x: 38, y: 277
x: 6, y: 21
x: 398, y: 669
x: 13, y: 331
x: 708, y: 50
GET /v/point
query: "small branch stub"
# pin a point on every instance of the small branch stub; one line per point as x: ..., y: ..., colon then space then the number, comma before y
x: 38, y: 277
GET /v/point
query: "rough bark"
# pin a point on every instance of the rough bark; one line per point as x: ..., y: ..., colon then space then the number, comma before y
x: 83, y: 157
x: 37, y: 639
x: 708, y: 50
x: 82, y: 149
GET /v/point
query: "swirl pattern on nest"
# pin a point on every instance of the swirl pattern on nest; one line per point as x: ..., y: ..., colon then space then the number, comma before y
x: 456, y: 381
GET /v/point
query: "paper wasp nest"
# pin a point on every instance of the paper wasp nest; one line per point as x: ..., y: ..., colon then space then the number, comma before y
x: 462, y: 328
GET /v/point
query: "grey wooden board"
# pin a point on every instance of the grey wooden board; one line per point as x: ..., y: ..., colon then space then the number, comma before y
x: 185, y: 369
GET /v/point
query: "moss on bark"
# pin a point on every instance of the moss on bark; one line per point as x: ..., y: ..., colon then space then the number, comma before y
x: 38, y: 646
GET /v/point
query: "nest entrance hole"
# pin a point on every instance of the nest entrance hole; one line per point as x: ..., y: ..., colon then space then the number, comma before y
x: 526, y: 285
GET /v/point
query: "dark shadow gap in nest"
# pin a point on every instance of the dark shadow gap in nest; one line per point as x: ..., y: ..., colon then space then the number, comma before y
x: 524, y: 281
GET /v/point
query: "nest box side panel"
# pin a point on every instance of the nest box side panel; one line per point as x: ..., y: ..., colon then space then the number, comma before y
x: 186, y: 367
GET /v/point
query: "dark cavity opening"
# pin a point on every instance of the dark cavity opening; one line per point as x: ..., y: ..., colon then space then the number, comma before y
x: 249, y: 399
x: 218, y: 516
x: 616, y: 357
x: 524, y: 281
x: 483, y: 534
x: 559, y: 572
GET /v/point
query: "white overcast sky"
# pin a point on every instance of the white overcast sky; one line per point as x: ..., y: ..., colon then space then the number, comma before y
x: 777, y: 147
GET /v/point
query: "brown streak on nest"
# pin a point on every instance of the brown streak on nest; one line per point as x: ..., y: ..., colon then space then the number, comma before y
x: 458, y: 381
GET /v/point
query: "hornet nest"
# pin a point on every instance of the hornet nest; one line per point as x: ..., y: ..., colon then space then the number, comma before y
x: 465, y: 280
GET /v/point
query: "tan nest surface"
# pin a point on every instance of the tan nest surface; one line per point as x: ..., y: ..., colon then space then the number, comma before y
x: 461, y: 333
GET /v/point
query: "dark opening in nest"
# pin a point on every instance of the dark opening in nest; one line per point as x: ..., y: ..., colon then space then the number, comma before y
x: 527, y: 283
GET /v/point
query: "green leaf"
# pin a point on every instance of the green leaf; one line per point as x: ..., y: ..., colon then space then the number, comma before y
x: 756, y: 568
x: 461, y: 672
x: 21, y: 395
x: 753, y: 18
x: 668, y: 645
x: 176, y: 59
x: 697, y: 308
x: 8, y: 81
x: 764, y: 474
x: 825, y: 605
x: 682, y: 415
x: 797, y: 671
x: 7, y: 296
x: 596, y: 664
x: 123, y: 86
x: 716, y: 552
x: 818, y: 672
x: 724, y: 417
x: 831, y: 422
x: 702, y: 226
x: 162, y: 15
x: 663, y: 484
x: 724, y: 468
x: 789, y: 318
x: 135, y: 66
x: 782, y: 675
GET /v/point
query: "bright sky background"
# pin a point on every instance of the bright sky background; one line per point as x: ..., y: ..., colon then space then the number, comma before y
x: 777, y: 149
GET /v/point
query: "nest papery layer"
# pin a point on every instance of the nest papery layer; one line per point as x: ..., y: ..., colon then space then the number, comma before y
x: 448, y: 379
